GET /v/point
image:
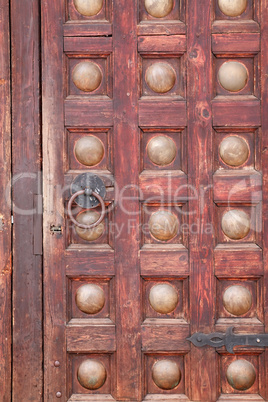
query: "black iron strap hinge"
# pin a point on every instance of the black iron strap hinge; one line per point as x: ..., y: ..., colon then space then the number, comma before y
x: 229, y: 340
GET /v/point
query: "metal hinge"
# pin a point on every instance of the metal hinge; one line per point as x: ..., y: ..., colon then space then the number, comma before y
x: 229, y: 340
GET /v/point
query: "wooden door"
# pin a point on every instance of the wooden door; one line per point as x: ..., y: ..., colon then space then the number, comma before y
x: 161, y: 100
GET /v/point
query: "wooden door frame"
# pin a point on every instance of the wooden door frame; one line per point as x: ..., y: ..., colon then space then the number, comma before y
x: 5, y: 208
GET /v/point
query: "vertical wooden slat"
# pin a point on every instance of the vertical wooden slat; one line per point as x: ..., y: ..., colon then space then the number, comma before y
x: 5, y: 212
x: 264, y: 114
x: 53, y: 74
x: 26, y: 162
x: 126, y: 141
x: 200, y: 142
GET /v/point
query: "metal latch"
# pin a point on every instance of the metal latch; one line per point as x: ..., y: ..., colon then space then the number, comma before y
x: 229, y: 340
x: 56, y: 229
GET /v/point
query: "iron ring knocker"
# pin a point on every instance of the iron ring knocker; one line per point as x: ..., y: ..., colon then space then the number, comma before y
x: 88, y: 192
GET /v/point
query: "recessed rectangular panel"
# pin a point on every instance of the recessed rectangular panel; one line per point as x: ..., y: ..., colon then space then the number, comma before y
x: 166, y: 44
x: 230, y: 260
x: 246, y: 43
x: 82, y: 45
x: 169, y: 335
x: 160, y: 113
x: 235, y: 113
x: 164, y: 371
x: 89, y: 149
x: 87, y: 29
x: 243, y: 10
x: 90, y: 370
x: 88, y: 113
x: 79, y: 10
x: 242, y: 187
x: 89, y: 262
x: 100, y: 336
x: 169, y: 260
x: 165, y: 299
x: 163, y: 186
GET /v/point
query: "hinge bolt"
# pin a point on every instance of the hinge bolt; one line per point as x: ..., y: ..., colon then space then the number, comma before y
x: 258, y: 340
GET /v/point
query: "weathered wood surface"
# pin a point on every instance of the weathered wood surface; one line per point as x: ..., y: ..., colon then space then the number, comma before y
x: 26, y: 165
x: 200, y: 143
x: 264, y: 131
x: 130, y: 115
x: 128, y: 292
x: 5, y: 207
x: 53, y: 88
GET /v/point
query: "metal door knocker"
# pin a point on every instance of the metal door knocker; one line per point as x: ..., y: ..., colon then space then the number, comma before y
x: 87, y: 191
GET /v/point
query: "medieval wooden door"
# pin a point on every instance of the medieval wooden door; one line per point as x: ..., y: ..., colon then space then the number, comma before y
x: 161, y: 106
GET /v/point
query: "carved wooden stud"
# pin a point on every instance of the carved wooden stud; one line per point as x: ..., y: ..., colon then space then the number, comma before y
x: 234, y: 151
x: 163, y: 225
x: 236, y: 224
x: 91, y: 374
x: 241, y: 375
x: 159, y: 8
x: 89, y: 150
x: 163, y: 298
x: 233, y: 8
x: 87, y: 218
x: 88, y: 8
x: 237, y: 300
x: 166, y: 374
x: 160, y: 77
x: 90, y: 298
x: 87, y: 76
x: 233, y: 76
x: 161, y: 150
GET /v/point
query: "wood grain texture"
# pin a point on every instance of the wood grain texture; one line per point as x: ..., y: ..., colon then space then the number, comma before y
x: 236, y: 26
x: 159, y: 113
x: 92, y: 398
x: 89, y: 262
x: 156, y: 336
x: 170, y: 260
x: 99, y: 45
x: 235, y: 113
x: 200, y: 143
x: 128, y: 353
x: 92, y: 113
x: 86, y: 338
x: 264, y: 114
x: 237, y: 186
x: 149, y: 28
x: 27, y: 271
x: 236, y: 43
x: 5, y: 209
x: 230, y: 260
x: 163, y: 186
x: 80, y: 28
x: 175, y: 44
x: 53, y: 15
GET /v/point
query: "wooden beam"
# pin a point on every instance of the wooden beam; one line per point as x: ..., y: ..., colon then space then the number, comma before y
x: 27, y: 272
x: 5, y: 211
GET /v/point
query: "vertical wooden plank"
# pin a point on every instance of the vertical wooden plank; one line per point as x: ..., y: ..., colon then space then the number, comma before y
x: 127, y: 212
x: 264, y: 114
x: 26, y: 162
x: 5, y: 212
x: 200, y: 145
x: 53, y: 76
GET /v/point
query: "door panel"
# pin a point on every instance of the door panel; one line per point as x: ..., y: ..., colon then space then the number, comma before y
x: 142, y: 96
